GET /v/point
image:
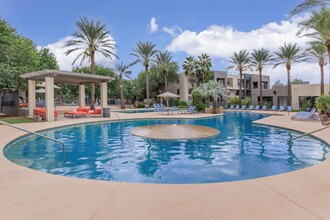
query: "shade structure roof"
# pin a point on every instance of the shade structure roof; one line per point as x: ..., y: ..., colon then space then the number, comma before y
x: 61, y: 76
x: 43, y: 85
x: 168, y: 95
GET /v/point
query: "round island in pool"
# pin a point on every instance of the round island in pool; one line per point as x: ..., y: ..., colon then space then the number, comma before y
x: 108, y: 151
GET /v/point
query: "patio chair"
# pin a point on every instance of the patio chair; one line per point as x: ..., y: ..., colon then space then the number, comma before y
x: 274, y: 108
x: 257, y: 107
x: 264, y: 107
x: 305, y: 115
x: 96, y: 112
x: 237, y: 107
x: 231, y: 107
x: 173, y: 110
x: 41, y: 113
x: 189, y: 110
x: 251, y: 107
x: 281, y: 108
x: 243, y: 107
x: 289, y: 108
x: 81, y: 112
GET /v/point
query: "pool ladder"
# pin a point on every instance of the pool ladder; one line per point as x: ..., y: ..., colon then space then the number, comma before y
x: 40, y: 135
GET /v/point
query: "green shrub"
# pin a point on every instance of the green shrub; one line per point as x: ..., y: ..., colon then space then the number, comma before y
x: 305, y: 104
x: 247, y: 101
x: 175, y: 102
x: 234, y: 101
x: 182, y: 103
x: 323, y: 104
x: 200, y: 107
x: 183, y: 106
x: 140, y: 105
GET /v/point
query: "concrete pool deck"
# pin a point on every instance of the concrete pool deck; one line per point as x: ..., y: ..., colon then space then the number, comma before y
x: 30, y: 194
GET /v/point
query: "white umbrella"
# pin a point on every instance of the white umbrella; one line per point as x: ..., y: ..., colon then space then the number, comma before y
x: 168, y: 95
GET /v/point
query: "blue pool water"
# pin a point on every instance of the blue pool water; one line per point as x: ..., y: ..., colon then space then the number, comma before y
x: 107, y: 151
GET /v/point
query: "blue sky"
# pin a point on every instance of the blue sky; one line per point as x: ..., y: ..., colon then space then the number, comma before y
x: 184, y: 27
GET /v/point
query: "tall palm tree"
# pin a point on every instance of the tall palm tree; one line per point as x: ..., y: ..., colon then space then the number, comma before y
x: 164, y: 63
x: 260, y: 58
x: 145, y: 53
x: 122, y: 70
x: 319, y: 23
x: 214, y: 89
x: 309, y: 4
x: 241, y: 62
x: 288, y: 55
x: 189, y: 67
x: 91, y: 37
x: 318, y: 51
x: 204, y: 64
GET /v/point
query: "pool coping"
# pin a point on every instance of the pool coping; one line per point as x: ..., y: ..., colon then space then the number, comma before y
x: 301, y: 194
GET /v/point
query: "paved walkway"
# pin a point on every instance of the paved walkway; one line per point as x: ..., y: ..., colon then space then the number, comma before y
x: 29, y: 194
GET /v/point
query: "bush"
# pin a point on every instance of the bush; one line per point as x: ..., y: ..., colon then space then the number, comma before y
x: 323, y: 105
x: 182, y: 103
x: 200, y: 107
x: 247, y: 101
x: 234, y: 101
x: 175, y: 102
x: 182, y: 106
x: 140, y: 105
x: 305, y: 104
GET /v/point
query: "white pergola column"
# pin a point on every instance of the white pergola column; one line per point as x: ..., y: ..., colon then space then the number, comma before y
x: 32, y: 96
x: 82, y: 96
x: 104, y: 95
x: 49, y: 98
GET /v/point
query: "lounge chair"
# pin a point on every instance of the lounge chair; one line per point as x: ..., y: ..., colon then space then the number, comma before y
x: 305, y: 115
x: 173, y: 110
x: 96, y: 112
x: 237, y: 107
x: 41, y: 113
x: 251, y: 107
x: 264, y: 107
x: 281, y: 108
x: 243, y: 107
x: 289, y: 108
x: 274, y: 108
x: 190, y: 110
x: 81, y: 112
x: 231, y: 107
x: 257, y: 107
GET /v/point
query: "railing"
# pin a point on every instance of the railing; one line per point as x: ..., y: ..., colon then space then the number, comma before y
x: 295, y: 138
x: 40, y: 135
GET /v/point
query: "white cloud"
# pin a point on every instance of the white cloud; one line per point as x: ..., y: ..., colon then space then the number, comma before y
x: 65, y: 61
x: 220, y: 42
x: 174, y: 31
x: 153, y: 25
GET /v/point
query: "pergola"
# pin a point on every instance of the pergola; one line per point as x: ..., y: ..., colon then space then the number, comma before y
x: 59, y: 76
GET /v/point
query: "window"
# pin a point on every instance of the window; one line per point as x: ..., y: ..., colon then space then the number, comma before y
x: 178, y: 91
x: 265, y: 85
x: 230, y: 82
x: 190, y: 90
x: 178, y: 81
x: 237, y: 92
x: 238, y: 82
x: 221, y: 81
x: 255, y: 85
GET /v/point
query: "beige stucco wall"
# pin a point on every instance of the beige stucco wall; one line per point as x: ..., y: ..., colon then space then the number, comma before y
x: 306, y: 90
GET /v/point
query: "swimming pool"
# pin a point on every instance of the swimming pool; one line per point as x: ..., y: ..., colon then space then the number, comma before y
x: 107, y: 151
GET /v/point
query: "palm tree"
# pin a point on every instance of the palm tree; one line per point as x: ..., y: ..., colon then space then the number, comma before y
x: 122, y: 70
x: 189, y: 67
x: 319, y: 23
x: 288, y: 55
x: 91, y: 37
x: 318, y: 50
x: 309, y: 4
x: 259, y: 58
x: 204, y: 64
x: 214, y: 89
x: 241, y: 61
x: 145, y: 53
x: 165, y: 64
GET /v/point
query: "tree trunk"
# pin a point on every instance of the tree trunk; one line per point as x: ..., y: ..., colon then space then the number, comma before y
x: 203, y: 76
x: 121, y: 86
x: 93, y: 73
x: 328, y: 46
x: 260, y: 87
x: 240, y: 87
x: 322, y: 77
x: 147, y: 86
x: 289, y: 86
x: 164, y: 72
x: 214, y: 106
